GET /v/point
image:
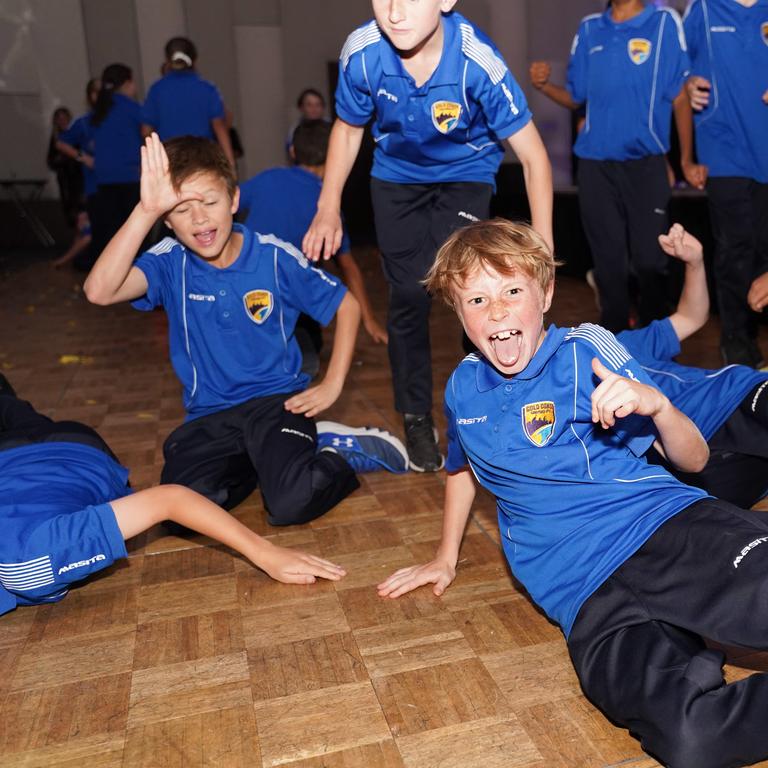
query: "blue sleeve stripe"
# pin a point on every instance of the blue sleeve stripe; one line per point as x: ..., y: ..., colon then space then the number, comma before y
x: 358, y: 40
x: 164, y: 246
x: 603, y: 341
x: 482, y: 54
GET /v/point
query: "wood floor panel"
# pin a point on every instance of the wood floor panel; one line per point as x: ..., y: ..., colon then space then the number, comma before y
x: 319, y: 722
x: 186, y: 655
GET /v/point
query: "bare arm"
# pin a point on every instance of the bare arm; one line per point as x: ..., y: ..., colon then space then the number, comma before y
x: 530, y: 150
x: 221, y: 132
x: 323, y: 237
x: 617, y: 397
x: 74, y: 153
x: 695, y: 174
x: 693, y: 308
x: 459, y: 495
x: 353, y: 277
x: 540, y: 72
x: 144, y: 509
x: 315, y: 399
x: 114, y: 278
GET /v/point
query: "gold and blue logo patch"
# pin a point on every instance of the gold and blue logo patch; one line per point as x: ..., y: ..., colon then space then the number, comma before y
x: 258, y: 305
x: 445, y: 115
x: 764, y: 32
x: 639, y: 50
x: 539, y: 421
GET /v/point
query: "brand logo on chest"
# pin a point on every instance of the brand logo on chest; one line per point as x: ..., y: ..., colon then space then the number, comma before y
x: 539, y: 421
x: 639, y: 50
x: 258, y: 305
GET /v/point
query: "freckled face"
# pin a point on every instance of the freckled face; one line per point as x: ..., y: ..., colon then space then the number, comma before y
x: 409, y: 23
x: 204, y: 225
x: 503, y: 315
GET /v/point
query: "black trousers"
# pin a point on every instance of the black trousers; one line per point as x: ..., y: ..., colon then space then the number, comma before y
x: 637, y: 642
x: 111, y: 206
x: 738, y: 210
x: 624, y: 210
x: 737, y: 469
x: 21, y: 424
x: 224, y: 456
x: 412, y: 222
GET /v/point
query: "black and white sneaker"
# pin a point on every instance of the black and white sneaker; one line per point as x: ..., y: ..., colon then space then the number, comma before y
x: 421, y: 443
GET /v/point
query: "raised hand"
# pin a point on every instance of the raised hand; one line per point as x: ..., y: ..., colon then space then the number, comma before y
x: 682, y: 245
x: 158, y: 195
x: 539, y: 73
x: 616, y: 397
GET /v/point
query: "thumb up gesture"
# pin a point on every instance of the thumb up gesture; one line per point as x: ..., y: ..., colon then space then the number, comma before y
x: 616, y: 397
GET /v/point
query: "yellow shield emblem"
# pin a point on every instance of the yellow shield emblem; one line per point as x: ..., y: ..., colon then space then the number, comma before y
x: 258, y: 305
x: 639, y: 49
x: 764, y: 31
x: 445, y: 115
x: 539, y: 422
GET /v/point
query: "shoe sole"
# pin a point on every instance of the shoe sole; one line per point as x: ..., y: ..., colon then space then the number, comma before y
x: 343, y: 429
x: 417, y: 468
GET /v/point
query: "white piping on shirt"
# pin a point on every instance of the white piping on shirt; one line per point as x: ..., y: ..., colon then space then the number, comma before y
x: 575, y: 401
x: 184, y: 320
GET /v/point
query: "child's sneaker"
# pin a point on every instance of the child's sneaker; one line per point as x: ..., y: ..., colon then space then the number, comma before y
x: 366, y: 449
x: 421, y: 439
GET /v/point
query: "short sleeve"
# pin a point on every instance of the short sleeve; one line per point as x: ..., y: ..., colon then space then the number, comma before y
x: 155, y: 269
x: 693, y: 24
x: 637, y: 433
x: 657, y: 341
x: 76, y: 135
x: 577, y: 66
x: 504, y: 105
x: 354, y: 102
x: 215, y: 103
x: 677, y: 63
x: 149, y: 114
x: 309, y: 289
x: 456, y: 459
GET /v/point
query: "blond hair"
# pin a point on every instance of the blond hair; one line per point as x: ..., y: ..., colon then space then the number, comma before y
x: 502, y: 245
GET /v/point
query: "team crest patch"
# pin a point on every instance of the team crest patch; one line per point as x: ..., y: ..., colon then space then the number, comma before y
x: 539, y: 421
x: 259, y: 305
x: 639, y: 50
x: 764, y: 31
x: 445, y: 115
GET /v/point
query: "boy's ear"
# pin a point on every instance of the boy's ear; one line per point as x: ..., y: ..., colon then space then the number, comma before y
x: 167, y: 224
x: 235, y: 201
x: 548, y: 294
x: 447, y: 5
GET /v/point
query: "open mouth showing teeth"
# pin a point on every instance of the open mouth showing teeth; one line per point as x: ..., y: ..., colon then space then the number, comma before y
x: 506, y: 346
x: 206, y: 238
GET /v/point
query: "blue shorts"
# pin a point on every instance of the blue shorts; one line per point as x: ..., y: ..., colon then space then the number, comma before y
x: 58, y: 552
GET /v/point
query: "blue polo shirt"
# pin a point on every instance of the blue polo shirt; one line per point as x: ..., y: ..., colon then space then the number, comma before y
x: 117, y: 143
x: 181, y: 103
x: 448, y: 129
x: 231, y: 330
x: 728, y: 44
x: 80, y: 135
x: 57, y: 524
x: 574, y: 500
x: 628, y: 74
x: 706, y: 397
x: 283, y: 201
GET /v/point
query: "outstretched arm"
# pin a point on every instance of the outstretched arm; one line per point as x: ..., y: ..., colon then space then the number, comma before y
x: 315, y: 399
x: 114, y: 278
x: 221, y: 132
x: 459, y: 495
x: 617, y: 397
x: 693, y: 308
x: 530, y: 150
x: 323, y: 237
x: 144, y: 509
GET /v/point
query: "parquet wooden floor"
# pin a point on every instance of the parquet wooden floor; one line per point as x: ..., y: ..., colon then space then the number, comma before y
x: 184, y: 655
